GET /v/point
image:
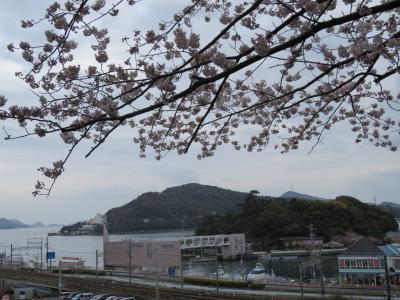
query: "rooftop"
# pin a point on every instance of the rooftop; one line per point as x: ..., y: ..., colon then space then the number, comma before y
x: 362, y: 247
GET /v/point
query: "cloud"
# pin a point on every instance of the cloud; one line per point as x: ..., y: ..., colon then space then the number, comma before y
x: 384, y: 186
x: 114, y: 174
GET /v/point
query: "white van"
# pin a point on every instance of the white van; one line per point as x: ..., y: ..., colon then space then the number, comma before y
x: 83, y: 296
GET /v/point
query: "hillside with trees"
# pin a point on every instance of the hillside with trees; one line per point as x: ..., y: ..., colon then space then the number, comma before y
x: 270, y: 220
x: 214, y: 210
x: 174, y: 208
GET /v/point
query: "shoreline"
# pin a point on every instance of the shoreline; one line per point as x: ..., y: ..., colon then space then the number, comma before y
x: 123, y: 232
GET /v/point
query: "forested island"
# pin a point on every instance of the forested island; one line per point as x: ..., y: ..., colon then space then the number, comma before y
x: 213, y: 210
x: 277, y: 218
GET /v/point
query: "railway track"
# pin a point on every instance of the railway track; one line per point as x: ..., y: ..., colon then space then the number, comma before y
x: 139, y: 291
x: 144, y: 291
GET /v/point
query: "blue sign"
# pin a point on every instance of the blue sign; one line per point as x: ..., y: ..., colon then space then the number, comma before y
x: 51, y: 255
x: 171, y: 271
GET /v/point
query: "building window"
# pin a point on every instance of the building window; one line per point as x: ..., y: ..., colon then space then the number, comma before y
x: 149, y: 251
x: 359, y: 263
x: 341, y: 263
x: 348, y: 263
x: 376, y: 264
x: 397, y: 264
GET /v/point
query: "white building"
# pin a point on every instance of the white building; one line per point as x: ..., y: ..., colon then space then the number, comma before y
x: 227, y: 246
x: 97, y: 220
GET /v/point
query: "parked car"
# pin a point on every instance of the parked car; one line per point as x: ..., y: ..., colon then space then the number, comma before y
x: 128, y: 298
x: 82, y: 296
x: 100, y: 297
x: 73, y: 294
x: 65, y: 295
x: 112, y: 298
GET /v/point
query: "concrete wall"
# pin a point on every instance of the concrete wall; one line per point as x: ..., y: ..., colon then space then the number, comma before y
x: 151, y: 255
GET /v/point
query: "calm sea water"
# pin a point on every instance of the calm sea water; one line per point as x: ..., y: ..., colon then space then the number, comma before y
x: 85, y: 247
x: 76, y: 246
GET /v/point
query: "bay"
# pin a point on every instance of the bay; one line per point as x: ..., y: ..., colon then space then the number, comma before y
x: 85, y: 247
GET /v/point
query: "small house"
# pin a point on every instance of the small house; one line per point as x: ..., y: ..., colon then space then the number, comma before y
x: 364, y: 263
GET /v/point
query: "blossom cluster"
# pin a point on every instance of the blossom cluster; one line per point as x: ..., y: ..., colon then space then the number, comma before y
x: 289, y: 70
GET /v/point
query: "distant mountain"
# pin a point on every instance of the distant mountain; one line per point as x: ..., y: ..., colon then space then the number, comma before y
x: 174, y: 208
x: 292, y: 195
x: 11, y: 224
x: 37, y: 224
x: 391, y: 207
x: 391, y: 204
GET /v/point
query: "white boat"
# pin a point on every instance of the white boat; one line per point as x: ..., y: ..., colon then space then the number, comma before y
x: 220, y: 272
x: 238, y: 276
x: 259, y: 273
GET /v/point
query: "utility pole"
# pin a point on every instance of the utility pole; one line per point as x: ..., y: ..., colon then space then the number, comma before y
x: 47, y: 253
x: 60, y: 283
x: 149, y: 248
x: 97, y: 262
x: 157, y: 283
x: 322, y: 278
x: 41, y: 255
x: 181, y: 271
x: 182, y: 280
x: 301, y: 281
x: 11, y: 256
x: 216, y: 264
x: 312, y: 235
x: 130, y: 262
x: 388, y: 296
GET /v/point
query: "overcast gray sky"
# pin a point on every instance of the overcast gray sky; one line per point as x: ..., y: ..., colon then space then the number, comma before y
x: 115, y: 174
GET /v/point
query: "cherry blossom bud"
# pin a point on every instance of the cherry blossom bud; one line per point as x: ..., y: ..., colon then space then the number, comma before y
x: 10, y: 47
x: 194, y: 41
x: 181, y: 40
x: 3, y: 100
x: 53, y: 8
x: 101, y: 57
x: 260, y: 45
x: 24, y: 45
x: 60, y: 22
x: 225, y: 19
x: 26, y: 24
x: 47, y: 47
x: 98, y: 5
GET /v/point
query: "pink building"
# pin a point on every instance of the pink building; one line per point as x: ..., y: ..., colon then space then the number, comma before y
x: 156, y: 256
